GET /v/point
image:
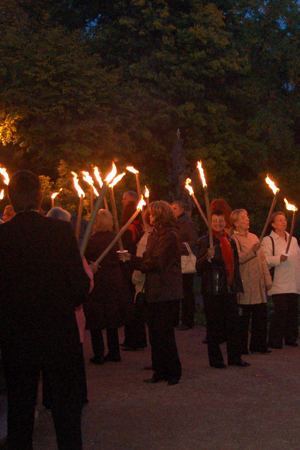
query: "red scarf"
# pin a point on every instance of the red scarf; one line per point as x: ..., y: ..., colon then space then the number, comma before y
x: 227, y: 256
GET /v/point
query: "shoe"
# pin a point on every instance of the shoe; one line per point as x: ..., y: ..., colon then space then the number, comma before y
x: 110, y: 357
x: 155, y: 379
x: 183, y: 328
x: 277, y: 347
x: 262, y: 352
x: 218, y: 365
x: 173, y: 381
x: 292, y: 344
x: 129, y: 349
x: 97, y: 360
x: 240, y: 363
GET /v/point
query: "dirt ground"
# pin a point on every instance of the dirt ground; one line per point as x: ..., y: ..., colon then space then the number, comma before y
x: 255, y: 408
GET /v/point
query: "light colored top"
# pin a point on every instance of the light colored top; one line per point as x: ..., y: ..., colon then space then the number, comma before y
x: 138, y: 278
x: 253, y: 268
x: 287, y: 274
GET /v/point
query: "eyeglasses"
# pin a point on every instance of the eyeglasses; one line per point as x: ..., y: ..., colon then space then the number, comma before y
x: 218, y: 221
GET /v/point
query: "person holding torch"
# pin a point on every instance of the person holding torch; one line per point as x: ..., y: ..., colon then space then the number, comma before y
x: 218, y: 266
x: 161, y: 264
x: 286, y: 283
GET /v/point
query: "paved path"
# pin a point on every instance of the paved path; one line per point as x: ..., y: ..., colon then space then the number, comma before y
x: 255, y: 408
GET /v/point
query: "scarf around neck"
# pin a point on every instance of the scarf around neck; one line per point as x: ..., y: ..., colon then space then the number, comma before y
x: 227, y: 256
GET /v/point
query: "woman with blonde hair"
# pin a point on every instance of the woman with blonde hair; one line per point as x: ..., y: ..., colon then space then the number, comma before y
x: 108, y: 305
x: 256, y: 278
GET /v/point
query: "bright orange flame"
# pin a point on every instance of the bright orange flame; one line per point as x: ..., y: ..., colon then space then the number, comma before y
x: 88, y: 178
x: 188, y: 187
x: 132, y: 169
x: 98, y: 177
x: 56, y: 193
x: 112, y: 174
x: 272, y: 185
x: 95, y: 191
x: 147, y: 192
x: 202, y: 176
x: 5, y: 175
x: 141, y: 203
x: 117, y: 179
x: 1, y: 194
x: 77, y: 187
x: 290, y: 207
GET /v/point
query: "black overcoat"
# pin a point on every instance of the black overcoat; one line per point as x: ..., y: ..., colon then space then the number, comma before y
x: 109, y: 304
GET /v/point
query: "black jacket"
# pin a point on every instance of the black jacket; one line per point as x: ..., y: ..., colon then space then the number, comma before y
x: 161, y: 263
x: 187, y: 233
x: 42, y: 279
x: 213, y: 274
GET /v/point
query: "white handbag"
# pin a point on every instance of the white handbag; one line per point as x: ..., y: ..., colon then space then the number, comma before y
x: 188, y: 262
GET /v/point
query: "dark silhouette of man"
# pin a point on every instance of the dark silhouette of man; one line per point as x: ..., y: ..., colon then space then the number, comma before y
x: 42, y: 280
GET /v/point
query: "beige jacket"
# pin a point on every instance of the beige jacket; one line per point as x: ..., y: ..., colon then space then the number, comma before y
x: 254, y: 269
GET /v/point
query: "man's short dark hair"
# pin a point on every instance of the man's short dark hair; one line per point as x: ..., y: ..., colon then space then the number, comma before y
x: 24, y: 191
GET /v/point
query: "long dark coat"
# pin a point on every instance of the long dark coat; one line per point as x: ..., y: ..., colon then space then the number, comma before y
x: 162, y: 265
x: 109, y: 302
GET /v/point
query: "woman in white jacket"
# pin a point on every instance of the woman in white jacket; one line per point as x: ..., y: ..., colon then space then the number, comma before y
x: 286, y: 284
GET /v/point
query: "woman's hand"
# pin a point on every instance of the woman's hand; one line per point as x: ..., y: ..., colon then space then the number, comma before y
x: 93, y: 268
x: 210, y: 253
x: 283, y: 258
x: 124, y: 256
x: 256, y: 247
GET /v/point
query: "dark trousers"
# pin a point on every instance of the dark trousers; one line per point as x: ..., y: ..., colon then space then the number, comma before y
x: 22, y: 386
x: 112, y: 337
x: 135, y: 329
x: 47, y: 397
x: 222, y: 324
x: 284, y: 322
x: 160, y: 320
x: 259, y: 327
x: 188, y: 300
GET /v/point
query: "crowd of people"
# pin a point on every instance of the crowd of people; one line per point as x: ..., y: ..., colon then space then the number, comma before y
x: 49, y: 295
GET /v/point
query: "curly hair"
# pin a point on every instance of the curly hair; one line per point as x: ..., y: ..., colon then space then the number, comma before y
x: 163, y: 214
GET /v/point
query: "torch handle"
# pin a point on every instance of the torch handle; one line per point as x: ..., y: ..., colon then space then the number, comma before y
x: 210, y: 234
x: 268, y: 218
x: 92, y: 219
x: 79, y: 215
x: 200, y: 209
x: 291, y: 233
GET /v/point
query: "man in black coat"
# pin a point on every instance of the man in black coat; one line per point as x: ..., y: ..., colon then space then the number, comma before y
x: 187, y: 232
x: 42, y: 280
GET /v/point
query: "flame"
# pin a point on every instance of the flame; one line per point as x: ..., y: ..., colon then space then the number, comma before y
x: 97, y: 175
x: 117, y: 179
x: 88, y: 178
x: 1, y: 194
x: 141, y: 203
x: 5, y: 175
x: 132, y: 169
x: 95, y: 191
x: 77, y: 187
x: 147, y: 192
x: 56, y: 193
x: 272, y: 185
x: 290, y: 207
x: 112, y: 174
x: 188, y: 187
x: 202, y: 176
